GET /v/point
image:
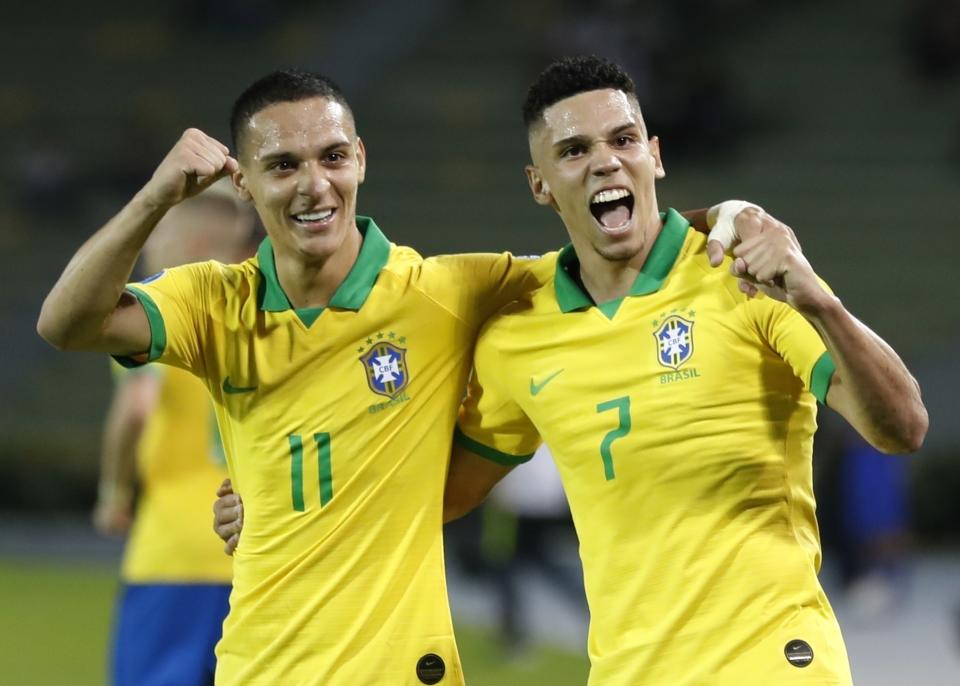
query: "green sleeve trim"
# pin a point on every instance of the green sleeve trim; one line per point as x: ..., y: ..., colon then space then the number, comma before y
x: 506, y: 459
x: 158, y: 332
x: 122, y: 374
x: 821, y: 376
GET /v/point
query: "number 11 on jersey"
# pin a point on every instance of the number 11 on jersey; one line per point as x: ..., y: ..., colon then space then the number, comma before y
x: 325, y: 469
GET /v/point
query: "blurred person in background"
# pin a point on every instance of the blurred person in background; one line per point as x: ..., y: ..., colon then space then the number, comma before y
x: 875, y: 527
x: 526, y: 526
x: 161, y: 443
x: 864, y: 512
x: 679, y: 402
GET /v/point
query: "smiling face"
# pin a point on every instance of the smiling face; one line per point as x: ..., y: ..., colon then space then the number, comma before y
x: 593, y: 163
x: 301, y: 164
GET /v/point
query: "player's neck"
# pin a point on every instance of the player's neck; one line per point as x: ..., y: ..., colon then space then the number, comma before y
x: 312, y: 282
x: 606, y: 278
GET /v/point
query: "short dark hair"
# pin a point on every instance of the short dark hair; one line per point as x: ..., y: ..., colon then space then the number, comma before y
x: 285, y: 85
x: 572, y: 75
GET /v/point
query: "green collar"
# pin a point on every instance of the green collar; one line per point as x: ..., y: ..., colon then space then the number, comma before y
x: 571, y: 297
x: 351, y: 294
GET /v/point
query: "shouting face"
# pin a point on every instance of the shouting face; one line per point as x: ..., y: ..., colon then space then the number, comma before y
x: 593, y: 163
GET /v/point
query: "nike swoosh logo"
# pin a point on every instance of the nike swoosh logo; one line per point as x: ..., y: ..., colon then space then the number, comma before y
x: 231, y: 389
x: 537, y: 387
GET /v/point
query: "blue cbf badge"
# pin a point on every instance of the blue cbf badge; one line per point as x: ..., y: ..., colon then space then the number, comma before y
x: 386, y: 368
x: 674, y: 341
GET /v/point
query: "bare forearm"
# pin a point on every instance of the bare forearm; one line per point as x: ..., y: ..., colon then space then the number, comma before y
x: 872, y: 387
x: 461, y: 498
x: 118, y: 459
x: 133, y: 401
x: 76, y: 310
x: 469, y: 481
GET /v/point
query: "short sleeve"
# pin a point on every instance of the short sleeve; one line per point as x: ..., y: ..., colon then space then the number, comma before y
x: 796, y: 341
x: 491, y: 424
x: 475, y: 286
x: 175, y: 302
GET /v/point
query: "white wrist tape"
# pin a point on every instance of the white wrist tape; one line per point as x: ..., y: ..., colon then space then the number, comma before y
x: 723, y: 229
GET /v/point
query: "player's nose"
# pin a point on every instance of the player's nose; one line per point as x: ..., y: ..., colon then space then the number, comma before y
x: 312, y: 181
x: 605, y: 161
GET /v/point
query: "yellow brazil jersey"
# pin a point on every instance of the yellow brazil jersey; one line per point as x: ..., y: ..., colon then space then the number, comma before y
x: 681, y: 419
x: 337, y: 426
x: 180, y: 464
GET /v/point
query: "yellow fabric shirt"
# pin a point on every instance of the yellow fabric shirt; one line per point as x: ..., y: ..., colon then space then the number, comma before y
x: 337, y: 426
x: 681, y: 419
x: 179, y: 465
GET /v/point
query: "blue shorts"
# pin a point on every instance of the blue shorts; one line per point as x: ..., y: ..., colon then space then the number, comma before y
x: 164, y: 634
x: 875, y: 493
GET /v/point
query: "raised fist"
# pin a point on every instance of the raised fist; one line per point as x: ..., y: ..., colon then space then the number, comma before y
x: 193, y: 164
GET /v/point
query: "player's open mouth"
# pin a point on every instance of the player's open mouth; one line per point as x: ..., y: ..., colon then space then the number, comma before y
x: 612, y: 208
x: 316, y: 218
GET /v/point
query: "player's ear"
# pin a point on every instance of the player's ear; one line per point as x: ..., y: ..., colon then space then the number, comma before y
x: 240, y: 184
x: 654, y: 145
x: 361, y: 160
x: 538, y: 186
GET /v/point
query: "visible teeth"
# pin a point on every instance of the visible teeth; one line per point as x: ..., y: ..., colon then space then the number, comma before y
x: 314, y: 216
x: 610, y: 195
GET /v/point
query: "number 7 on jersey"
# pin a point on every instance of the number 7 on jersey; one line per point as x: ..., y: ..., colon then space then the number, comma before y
x: 622, y: 405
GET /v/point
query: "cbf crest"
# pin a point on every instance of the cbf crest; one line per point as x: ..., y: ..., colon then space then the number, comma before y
x: 674, y: 341
x: 385, y: 363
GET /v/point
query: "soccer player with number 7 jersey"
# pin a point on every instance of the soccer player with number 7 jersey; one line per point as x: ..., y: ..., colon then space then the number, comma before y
x: 679, y: 403
x: 335, y: 360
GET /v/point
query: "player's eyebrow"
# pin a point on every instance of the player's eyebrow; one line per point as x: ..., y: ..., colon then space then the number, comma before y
x: 570, y: 140
x: 287, y: 155
x: 584, y: 140
x: 624, y: 127
x: 274, y: 156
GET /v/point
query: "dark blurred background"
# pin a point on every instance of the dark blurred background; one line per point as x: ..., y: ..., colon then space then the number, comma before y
x: 841, y: 118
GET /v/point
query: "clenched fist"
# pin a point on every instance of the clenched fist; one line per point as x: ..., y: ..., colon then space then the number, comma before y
x: 772, y: 261
x: 193, y: 164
